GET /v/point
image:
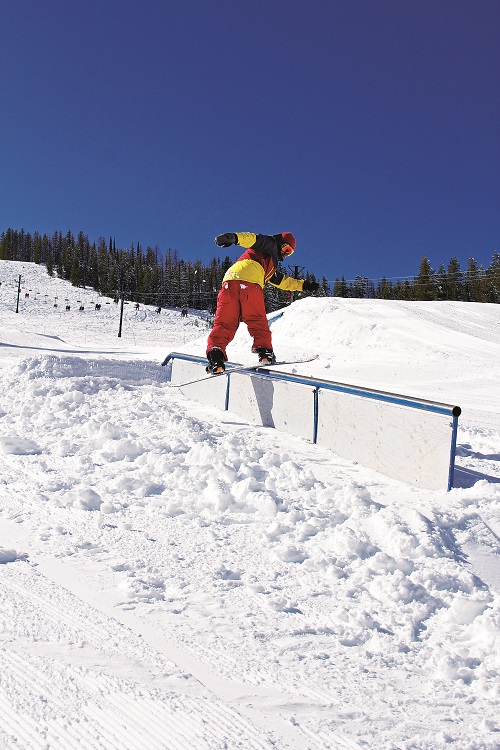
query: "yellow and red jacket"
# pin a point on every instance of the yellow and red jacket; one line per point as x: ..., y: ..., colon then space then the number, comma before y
x: 259, y: 263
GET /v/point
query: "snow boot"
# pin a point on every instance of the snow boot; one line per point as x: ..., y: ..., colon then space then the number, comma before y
x: 266, y: 356
x: 215, y: 361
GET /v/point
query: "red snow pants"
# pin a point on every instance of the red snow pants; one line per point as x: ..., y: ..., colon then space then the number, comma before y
x: 240, y: 300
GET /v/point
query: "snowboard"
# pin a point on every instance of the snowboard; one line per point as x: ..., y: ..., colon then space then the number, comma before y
x: 242, y: 368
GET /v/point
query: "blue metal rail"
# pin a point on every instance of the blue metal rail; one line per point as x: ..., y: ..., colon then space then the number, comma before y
x: 319, y: 384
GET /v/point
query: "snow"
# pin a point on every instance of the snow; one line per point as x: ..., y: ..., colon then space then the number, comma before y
x: 172, y: 577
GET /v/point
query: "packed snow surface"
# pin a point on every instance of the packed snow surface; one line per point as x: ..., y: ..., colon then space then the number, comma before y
x: 173, y: 577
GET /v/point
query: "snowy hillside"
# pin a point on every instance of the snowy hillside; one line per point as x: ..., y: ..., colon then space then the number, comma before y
x: 171, y: 577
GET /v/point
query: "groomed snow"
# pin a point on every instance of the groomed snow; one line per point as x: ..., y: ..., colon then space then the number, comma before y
x: 172, y: 577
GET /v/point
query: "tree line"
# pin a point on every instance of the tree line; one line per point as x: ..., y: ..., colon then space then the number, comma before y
x: 140, y: 275
x: 151, y: 277
x: 472, y: 284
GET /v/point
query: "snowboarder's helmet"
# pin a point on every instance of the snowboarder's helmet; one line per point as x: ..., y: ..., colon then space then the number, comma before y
x: 289, y: 239
x: 287, y: 243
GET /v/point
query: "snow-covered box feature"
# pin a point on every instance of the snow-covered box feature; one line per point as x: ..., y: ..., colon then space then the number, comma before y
x: 409, y: 439
x: 286, y: 406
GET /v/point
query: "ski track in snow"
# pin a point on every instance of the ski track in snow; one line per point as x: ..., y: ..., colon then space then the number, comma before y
x: 171, y: 577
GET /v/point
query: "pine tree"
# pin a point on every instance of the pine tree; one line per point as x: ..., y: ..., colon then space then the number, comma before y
x: 408, y: 290
x: 37, y: 248
x: 75, y: 269
x: 384, y: 289
x: 425, y: 283
x: 340, y: 288
x: 273, y: 298
x: 6, y: 245
x: 324, y: 288
x: 57, y: 249
x: 473, y: 286
x: 49, y: 261
x: 441, y: 282
x: 105, y: 287
x: 25, y: 247
x: 92, y: 277
x: 493, y: 278
x: 358, y: 289
x: 454, y: 283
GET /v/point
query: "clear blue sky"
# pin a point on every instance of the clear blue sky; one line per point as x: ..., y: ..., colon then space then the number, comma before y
x: 368, y: 128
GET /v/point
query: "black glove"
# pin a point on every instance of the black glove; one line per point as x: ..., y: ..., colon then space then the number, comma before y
x: 226, y: 240
x: 310, y: 286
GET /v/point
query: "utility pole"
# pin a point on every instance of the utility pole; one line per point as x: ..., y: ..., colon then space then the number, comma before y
x: 18, y: 294
x: 121, y: 315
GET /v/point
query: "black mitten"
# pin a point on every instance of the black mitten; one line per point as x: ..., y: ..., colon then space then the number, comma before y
x: 310, y: 286
x: 226, y: 240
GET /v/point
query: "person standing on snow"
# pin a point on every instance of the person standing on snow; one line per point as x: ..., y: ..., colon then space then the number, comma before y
x: 242, y: 294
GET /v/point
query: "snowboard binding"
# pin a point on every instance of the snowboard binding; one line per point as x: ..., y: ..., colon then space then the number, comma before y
x: 215, y: 362
x: 266, y: 356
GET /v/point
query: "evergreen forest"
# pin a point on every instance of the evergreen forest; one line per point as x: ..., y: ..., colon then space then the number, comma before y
x: 151, y: 277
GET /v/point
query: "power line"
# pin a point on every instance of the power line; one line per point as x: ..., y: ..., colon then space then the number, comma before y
x: 412, y: 278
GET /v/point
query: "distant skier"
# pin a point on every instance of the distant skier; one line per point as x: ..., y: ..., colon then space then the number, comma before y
x: 242, y: 294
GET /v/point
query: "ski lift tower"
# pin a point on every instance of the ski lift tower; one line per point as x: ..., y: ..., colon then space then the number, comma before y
x: 294, y: 272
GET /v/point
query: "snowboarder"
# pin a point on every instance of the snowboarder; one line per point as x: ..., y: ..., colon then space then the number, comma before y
x: 242, y: 294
